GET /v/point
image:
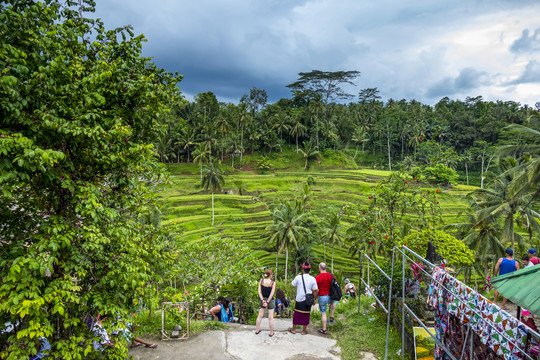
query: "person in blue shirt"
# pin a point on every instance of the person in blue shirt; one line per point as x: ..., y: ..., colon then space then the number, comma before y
x: 44, y: 348
x: 504, y: 266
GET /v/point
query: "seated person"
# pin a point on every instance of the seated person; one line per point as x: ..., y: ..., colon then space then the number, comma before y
x: 44, y: 348
x: 101, y: 337
x: 224, y: 311
x: 128, y: 334
x: 281, y: 301
x: 350, y: 289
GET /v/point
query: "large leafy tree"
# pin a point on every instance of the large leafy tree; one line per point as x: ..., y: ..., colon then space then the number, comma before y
x: 79, y: 107
x: 326, y: 83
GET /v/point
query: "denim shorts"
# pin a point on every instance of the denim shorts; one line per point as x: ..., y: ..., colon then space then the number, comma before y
x: 323, y: 301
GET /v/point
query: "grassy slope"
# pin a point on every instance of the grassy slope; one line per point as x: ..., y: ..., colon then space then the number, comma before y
x: 187, y: 208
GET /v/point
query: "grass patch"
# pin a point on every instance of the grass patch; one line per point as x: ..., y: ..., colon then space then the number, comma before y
x: 365, y: 331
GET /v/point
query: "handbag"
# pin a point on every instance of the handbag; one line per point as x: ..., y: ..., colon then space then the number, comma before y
x: 310, y: 299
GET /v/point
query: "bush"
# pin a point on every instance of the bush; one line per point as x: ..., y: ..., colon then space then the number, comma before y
x: 441, y: 174
x: 454, y: 251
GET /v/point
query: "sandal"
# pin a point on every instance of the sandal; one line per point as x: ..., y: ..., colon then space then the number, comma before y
x: 331, y: 319
x: 322, y: 331
x: 257, y: 332
x: 152, y: 346
x: 272, y: 334
x: 290, y: 330
x: 304, y: 333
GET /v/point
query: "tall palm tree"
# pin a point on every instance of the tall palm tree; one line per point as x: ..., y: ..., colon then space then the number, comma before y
x: 308, y: 152
x: 316, y: 107
x: 222, y: 125
x: 359, y: 137
x: 527, y: 177
x: 281, y: 123
x: 331, y: 232
x: 484, y: 239
x: 298, y: 129
x: 200, y: 155
x: 213, y: 180
x: 499, y: 202
x: 287, y: 229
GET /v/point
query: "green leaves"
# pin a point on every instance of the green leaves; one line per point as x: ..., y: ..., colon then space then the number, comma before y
x: 76, y: 173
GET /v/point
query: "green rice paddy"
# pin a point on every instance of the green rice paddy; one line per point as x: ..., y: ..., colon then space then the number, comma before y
x: 242, y: 209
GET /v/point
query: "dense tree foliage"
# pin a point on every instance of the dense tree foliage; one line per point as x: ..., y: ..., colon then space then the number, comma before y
x: 79, y: 109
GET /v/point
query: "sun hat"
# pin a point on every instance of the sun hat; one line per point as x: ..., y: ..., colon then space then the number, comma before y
x: 347, y: 281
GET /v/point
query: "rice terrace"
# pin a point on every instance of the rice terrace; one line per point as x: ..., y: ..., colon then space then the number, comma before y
x: 269, y: 180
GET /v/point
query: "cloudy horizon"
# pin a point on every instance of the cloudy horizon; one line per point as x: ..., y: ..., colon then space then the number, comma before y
x: 424, y: 51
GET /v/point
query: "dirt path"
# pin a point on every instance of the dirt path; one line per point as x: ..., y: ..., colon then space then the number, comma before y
x: 240, y: 342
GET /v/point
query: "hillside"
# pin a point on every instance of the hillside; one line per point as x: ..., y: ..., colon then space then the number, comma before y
x: 242, y: 210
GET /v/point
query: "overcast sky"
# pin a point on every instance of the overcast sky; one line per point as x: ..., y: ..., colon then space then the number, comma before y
x: 417, y: 49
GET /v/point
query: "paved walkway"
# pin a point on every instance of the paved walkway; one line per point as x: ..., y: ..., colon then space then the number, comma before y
x: 239, y: 342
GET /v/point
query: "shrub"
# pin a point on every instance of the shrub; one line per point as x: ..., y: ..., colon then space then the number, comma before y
x: 454, y: 251
x: 441, y: 174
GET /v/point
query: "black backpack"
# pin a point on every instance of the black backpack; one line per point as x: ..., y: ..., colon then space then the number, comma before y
x: 335, y: 290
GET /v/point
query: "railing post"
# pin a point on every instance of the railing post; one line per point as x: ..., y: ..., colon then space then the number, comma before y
x: 389, y: 306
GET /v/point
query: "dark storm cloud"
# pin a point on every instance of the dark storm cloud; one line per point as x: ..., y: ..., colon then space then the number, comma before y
x: 231, y: 46
x: 468, y: 79
x: 527, y: 44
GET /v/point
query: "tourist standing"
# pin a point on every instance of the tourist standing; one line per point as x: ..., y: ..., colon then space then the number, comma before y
x: 267, y: 287
x: 305, y: 284
x: 504, y: 266
x: 324, y: 280
x: 532, y: 256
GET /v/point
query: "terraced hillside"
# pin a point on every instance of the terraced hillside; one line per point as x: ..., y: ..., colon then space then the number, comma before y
x: 242, y: 210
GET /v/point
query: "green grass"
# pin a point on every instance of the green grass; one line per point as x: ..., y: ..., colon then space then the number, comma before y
x: 365, y: 331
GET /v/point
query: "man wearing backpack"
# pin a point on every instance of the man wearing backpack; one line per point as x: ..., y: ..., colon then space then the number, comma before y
x: 324, y: 282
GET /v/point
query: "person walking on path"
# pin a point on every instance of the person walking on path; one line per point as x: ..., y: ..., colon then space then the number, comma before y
x: 532, y: 257
x: 305, y: 284
x: 324, y: 280
x: 504, y: 266
x: 267, y: 287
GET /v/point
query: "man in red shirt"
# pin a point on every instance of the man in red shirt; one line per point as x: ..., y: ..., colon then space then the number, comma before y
x: 324, y: 280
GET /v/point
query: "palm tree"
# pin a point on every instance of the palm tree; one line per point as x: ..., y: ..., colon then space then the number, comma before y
x: 298, y: 129
x: 200, y: 155
x: 330, y: 232
x: 316, y: 107
x: 222, y: 125
x: 308, y: 152
x: 499, y: 202
x: 467, y: 157
x: 287, y: 229
x: 359, y: 137
x: 527, y: 177
x: 187, y: 139
x: 281, y: 123
x: 213, y: 180
x: 483, y: 239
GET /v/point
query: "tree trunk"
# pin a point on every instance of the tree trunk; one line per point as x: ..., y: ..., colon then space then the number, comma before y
x: 201, y: 172
x: 297, y: 143
x: 212, y: 208
x: 286, y: 262
x: 388, y: 144
x: 241, y: 142
x: 332, y: 258
x: 356, y: 153
x: 317, y: 129
x: 275, y: 275
x: 482, y: 175
x: 467, y: 173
